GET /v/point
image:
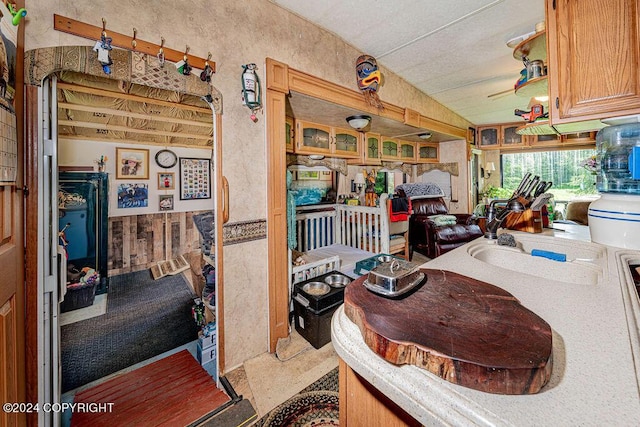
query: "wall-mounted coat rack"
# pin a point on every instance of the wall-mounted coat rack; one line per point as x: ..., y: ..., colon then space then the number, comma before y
x: 131, y: 42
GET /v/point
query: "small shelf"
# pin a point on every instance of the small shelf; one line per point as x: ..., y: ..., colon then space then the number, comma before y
x: 540, y: 127
x: 535, y: 47
x: 535, y: 87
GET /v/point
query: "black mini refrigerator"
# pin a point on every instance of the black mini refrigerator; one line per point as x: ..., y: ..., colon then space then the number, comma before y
x: 314, y: 302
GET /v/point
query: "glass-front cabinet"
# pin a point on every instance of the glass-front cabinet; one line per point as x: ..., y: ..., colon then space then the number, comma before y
x: 346, y: 143
x: 372, y: 148
x: 500, y: 136
x: 390, y: 148
x: 407, y: 151
x: 427, y: 152
x: 288, y: 134
x: 510, y: 138
x: 489, y: 137
x: 314, y: 138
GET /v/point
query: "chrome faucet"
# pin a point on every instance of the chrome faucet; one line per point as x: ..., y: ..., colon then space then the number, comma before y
x: 495, y: 221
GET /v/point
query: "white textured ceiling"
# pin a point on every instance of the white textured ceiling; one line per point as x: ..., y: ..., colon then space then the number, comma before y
x: 453, y: 50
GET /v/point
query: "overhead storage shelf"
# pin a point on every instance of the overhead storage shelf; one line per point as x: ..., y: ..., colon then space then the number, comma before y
x: 535, y: 87
x: 540, y: 127
x: 535, y: 47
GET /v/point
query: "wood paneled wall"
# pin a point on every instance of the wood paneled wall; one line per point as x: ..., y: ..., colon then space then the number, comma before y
x: 137, y: 242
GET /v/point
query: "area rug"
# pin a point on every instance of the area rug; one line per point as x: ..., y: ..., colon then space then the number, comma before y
x: 144, y: 318
x: 316, y: 405
x: 314, y: 408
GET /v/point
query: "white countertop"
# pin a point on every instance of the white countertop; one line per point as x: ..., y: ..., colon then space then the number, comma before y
x: 596, y: 348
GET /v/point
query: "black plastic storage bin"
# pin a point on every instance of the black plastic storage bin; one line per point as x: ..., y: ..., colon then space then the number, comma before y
x: 78, y: 298
x: 314, y: 326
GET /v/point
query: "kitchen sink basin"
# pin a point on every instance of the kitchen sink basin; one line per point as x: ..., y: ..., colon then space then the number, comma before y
x: 585, y: 262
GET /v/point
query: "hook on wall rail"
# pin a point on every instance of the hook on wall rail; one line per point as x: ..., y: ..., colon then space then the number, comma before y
x: 92, y: 32
x: 133, y: 40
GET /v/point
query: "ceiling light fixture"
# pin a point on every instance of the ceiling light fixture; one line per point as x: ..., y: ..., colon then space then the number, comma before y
x: 425, y: 135
x: 358, y: 122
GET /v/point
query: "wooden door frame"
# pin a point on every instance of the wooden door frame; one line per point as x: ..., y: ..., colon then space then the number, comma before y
x: 281, y: 81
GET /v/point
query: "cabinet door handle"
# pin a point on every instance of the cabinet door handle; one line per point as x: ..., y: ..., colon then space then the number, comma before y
x: 225, y: 200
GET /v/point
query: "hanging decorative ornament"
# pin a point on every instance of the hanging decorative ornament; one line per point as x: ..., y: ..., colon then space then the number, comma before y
x: 103, y: 47
x: 251, y: 90
x: 369, y: 79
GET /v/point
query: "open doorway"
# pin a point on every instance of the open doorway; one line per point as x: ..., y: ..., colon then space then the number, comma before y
x: 60, y: 139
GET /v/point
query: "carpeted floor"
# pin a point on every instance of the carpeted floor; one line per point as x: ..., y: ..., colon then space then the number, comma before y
x: 144, y: 318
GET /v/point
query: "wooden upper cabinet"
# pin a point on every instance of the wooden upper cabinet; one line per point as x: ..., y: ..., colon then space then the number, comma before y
x: 390, y: 148
x: 510, y: 138
x: 289, y: 134
x: 500, y: 136
x: 489, y: 137
x: 346, y: 143
x: 407, y: 151
x: 314, y: 138
x: 593, y: 53
x: 372, y: 149
x: 427, y: 152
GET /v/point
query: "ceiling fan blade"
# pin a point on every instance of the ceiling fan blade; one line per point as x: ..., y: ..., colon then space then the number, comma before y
x: 500, y: 94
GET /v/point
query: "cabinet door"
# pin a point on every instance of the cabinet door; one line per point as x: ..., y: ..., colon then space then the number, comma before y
x: 594, y: 47
x: 389, y: 149
x: 510, y: 138
x: 427, y: 152
x: 407, y: 151
x: 372, y: 148
x: 489, y: 137
x: 544, y: 140
x: 346, y: 143
x: 580, y: 138
x: 312, y: 138
x: 288, y: 134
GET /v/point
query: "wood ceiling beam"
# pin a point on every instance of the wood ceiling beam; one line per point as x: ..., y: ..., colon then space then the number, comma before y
x: 124, y: 113
x: 102, y: 138
x: 129, y: 97
x: 115, y: 128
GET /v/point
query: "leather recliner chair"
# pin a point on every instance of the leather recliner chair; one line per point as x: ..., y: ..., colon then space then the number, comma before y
x: 432, y: 240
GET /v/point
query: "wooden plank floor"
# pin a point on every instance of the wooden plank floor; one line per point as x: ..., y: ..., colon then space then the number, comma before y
x: 174, y: 391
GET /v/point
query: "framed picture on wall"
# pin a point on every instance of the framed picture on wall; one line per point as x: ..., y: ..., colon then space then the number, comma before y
x: 165, y: 202
x: 195, y: 178
x: 132, y: 163
x: 133, y: 196
x: 166, y: 181
x: 304, y: 175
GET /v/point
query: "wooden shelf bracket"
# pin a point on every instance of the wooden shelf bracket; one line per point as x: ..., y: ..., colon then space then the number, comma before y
x: 88, y: 31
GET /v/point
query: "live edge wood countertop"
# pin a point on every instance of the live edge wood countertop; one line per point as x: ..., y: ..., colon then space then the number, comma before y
x: 595, y: 378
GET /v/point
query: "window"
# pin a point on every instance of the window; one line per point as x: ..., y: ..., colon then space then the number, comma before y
x: 563, y: 168
x: 384, y: 183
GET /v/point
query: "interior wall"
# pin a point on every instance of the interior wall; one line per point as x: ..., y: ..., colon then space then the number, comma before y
x: 236, y: 32
x: 456, y: 152
x: 85, y: 153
